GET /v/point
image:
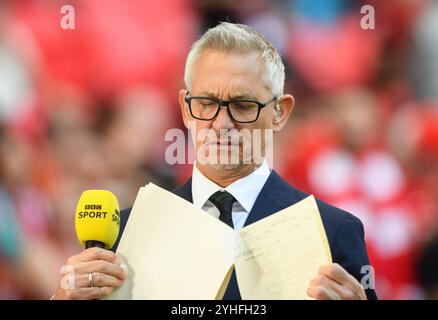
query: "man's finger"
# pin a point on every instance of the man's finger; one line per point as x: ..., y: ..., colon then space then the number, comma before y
x: 321, y: 293
x: 357, y: 288
x: 99, y: 280
x: 97, y: 254
x: 88, y: 293
x: 336, y: 272
x: 101, y: 266
x: 345, y: 293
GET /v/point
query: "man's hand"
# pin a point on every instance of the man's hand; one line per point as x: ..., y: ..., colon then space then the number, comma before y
x: 334, y: 283
x: 103, y: 265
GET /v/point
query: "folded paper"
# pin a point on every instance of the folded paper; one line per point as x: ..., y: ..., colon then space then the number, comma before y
x: 174, y: 250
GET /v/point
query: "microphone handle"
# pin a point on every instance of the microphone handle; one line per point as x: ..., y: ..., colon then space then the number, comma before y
x: 94, y: 243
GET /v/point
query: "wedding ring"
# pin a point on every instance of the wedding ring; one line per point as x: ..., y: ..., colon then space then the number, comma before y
x: 90, y: 280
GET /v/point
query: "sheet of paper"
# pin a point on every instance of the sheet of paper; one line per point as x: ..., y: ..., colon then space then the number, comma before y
x: 277, y: 257
x: 173, y: 250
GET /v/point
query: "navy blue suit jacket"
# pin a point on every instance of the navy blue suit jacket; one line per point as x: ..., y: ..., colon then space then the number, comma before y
x: 345, y: 232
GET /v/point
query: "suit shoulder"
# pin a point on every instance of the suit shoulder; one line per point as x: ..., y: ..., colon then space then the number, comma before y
x: 325, y: 208
x: 333, y: 217
x: 337, y: 214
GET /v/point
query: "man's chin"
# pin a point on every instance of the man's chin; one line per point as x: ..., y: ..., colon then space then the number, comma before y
x: 229, y: 166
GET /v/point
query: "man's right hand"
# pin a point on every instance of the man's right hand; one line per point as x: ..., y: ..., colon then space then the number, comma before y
x: 106, y: 271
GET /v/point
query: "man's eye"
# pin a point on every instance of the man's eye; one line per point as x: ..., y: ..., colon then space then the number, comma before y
x: 244, y: 105
x: 207, y: 103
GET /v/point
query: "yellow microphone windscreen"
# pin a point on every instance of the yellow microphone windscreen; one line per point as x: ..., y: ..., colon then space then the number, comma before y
x: 97, y: 218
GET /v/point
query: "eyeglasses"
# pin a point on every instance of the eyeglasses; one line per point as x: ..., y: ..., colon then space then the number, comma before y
x: 239, y: 110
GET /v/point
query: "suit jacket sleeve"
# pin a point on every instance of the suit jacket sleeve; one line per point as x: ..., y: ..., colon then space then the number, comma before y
x: 349, y: 250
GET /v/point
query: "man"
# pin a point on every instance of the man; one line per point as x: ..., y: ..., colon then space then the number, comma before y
x: 234, y: 80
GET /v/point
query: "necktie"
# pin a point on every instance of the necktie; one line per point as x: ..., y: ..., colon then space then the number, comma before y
x: 224, y: 202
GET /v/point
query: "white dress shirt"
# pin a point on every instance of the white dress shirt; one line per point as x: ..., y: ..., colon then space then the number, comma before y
x: 244, y: 190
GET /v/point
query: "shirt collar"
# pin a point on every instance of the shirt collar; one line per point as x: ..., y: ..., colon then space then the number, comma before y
x: 245, y: 190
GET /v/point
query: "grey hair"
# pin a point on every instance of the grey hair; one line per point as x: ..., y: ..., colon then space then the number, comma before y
x: 239, y: 38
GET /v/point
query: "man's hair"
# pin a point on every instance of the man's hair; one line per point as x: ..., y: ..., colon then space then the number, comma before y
x: 238, y: 38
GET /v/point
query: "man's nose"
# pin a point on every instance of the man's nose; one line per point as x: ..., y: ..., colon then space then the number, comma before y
x: 223, y: 119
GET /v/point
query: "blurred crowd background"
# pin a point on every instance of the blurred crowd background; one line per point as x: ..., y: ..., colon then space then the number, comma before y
x: 88, y: 108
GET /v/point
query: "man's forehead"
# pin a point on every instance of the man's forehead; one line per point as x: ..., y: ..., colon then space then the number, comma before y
x: 238, y: 94
x: 232, y: 53
x: 210, y: 58
x: 229, y: 75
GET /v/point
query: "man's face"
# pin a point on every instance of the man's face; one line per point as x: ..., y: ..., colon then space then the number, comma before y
x: 229, y: 76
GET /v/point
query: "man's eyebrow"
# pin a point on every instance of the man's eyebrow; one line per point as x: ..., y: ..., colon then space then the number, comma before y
x: 208, y: 95
x: 238, y: 96
x: 243, y: 96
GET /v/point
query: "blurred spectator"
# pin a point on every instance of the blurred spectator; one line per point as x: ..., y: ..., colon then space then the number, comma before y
x: 27, y: 243
x: 423, y: 65
x: 10, y: 237
x: 132, y: 153
x: 323, y: 31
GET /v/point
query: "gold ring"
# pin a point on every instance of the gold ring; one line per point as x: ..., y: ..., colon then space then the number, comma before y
x: 90, y: 280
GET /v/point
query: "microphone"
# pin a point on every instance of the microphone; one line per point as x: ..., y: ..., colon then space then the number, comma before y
x: 97, y: 219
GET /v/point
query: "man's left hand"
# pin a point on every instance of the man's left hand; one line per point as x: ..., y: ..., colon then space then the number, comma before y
x: 334, y: 283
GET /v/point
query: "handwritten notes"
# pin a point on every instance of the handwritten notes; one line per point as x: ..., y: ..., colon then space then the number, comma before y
x: 278, y: 256
x: 173, y: 250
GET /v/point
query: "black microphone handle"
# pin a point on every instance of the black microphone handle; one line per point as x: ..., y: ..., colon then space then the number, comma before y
x: 94, y: 243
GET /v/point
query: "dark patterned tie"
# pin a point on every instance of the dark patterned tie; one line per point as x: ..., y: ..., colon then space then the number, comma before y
x: 224, y: 202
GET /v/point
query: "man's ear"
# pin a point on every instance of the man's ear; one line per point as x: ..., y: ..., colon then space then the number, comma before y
x: 284, y: 107
x: 184, y: 107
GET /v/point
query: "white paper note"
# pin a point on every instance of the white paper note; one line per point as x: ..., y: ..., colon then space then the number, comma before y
x: 173, y: 250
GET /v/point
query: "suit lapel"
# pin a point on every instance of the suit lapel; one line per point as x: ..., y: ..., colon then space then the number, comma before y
x: 275, y: 195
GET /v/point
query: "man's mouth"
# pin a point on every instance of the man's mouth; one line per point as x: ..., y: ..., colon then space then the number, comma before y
x: 222, y: 143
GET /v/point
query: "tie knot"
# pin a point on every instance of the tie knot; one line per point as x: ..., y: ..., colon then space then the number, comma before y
x: 224, y: 202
